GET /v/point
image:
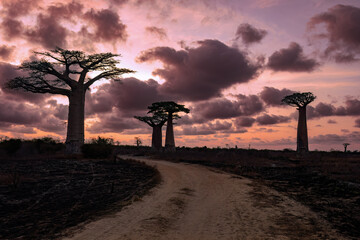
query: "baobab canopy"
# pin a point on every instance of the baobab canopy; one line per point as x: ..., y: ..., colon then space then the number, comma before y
x: 299, y: 99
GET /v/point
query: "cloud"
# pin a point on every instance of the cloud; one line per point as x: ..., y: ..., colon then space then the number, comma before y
x: 11, y: 28
x: 48, y: 32
x: 266, y: 119
x: 351, y: 108
x: 291, y: 59
x: 249, y: 34
x: 193, y: 130
x: 6, y: 52
x: 17, y: 8
x: 200, y: 73
x: 114, y: 123
x: 107, y: 26
x: 330, y: 121
x: 9, y: 71
x: 222, y: 108
x: 18, y: 113
x: 335, y: 138
x: 129, y: 96
x: 244, y: 122
x: 272, y: 96
x: 341, y: 32
x: 160, y: 33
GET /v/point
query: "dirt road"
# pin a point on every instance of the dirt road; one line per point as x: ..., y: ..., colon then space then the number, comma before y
x: 195, y: 202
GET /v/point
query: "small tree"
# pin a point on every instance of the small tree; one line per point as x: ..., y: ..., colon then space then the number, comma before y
x: 345, y: 146
x: 300, y: 101
x: 138, y: 141
x: 156, y: 121
x: 65, y: 72
x: 172, y: 109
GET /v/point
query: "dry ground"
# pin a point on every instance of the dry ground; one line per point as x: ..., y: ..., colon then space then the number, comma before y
x: 195, y: 202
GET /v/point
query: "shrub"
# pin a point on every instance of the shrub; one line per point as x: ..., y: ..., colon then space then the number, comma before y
x: 11, y: 146
x: 98, y: 148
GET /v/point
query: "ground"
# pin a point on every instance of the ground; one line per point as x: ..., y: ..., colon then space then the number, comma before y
x: 39, y: 198
x: 197, y: 202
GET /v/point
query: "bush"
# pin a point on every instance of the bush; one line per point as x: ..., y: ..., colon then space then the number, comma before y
x: 11, y: 146
x: 98, y: 148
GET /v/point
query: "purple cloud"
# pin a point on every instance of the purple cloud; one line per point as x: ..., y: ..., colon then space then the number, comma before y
x: 272, y: 96
x: 341, y: 31
x: 200, y: 73
x: 291, y: 59
x: 249, y: 34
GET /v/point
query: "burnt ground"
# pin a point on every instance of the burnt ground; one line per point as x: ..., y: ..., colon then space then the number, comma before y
x: 39, y: 198
x: 328, y: 183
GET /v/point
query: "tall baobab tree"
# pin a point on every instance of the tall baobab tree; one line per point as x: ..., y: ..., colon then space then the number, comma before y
x: 300, y: 101
x: 171, y: 109
x: 65, y: 72
x: 156, y: 121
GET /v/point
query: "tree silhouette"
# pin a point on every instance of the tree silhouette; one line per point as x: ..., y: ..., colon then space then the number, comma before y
x: 156, y: 121
x: 345, y: 146
x: 172, y: 109
x: 300, y: 101
x: 64, y: 72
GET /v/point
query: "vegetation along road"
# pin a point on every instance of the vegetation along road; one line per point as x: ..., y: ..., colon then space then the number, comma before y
x: 195, y: 202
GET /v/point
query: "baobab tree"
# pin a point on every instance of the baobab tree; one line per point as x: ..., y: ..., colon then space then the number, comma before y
x: 300, y: 101
x: 64, y: 72
x: 171, y: 109
x: 156, y: 121
x: 345, y: 146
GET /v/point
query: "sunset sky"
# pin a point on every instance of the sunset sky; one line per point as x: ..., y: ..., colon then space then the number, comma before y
x: 229, y: 61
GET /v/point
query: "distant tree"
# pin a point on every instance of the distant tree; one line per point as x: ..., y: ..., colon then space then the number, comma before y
x: 300, y: 101
x: 345, y: 146
x: 138, y: 141
x: 156, y: 121
x: 172, y: 109
x: 65, y: 72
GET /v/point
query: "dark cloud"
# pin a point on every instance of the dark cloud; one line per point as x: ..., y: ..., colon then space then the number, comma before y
x: 130, y: 95
x: 222, y: 108
x: 272, y: 96
x: 357, y: 123
x: 244, y: 122
x: 194, y: 130
x: 17, y: 8
x: 11, y: 28
x: 48, y: 32
x: 335, y: 138
x: 108, y: 26
x: 114, y: 123
x: 160, y: 33
x: 18, y: 113
x: 291, y: 59
x: 65, y: 11
x: 330, y: 121
x: 266, y: 119
x: 6, y: 51
x: 341, y: 31
x: 351, y: 108
x: 203, y: 72
x: 7, y: 72
x: 249, y: 34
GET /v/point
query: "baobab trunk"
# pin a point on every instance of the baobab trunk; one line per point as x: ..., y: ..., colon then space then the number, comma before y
x: 302, y: 136
x: 75, y: 127
x: 156, y: 142
x: 169, y: 140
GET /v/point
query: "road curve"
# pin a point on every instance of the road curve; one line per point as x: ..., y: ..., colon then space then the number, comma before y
x: 195, y: 202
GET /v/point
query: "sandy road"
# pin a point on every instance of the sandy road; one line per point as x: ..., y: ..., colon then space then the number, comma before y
x: 195, y: 202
